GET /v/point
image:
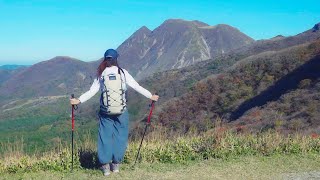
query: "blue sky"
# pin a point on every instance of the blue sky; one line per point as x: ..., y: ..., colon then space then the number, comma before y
x: 37, y: 30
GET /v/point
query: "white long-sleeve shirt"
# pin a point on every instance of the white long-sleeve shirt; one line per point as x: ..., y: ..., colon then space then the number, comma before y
x: 95, y: 87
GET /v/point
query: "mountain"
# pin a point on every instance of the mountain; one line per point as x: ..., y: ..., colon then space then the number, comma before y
x: 144, y: 53
x: 181, y: 81
x: 175, y: 44
x: 57, y: 76
x: 63, y: 75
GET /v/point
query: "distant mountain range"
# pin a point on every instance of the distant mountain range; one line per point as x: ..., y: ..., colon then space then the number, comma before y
x: 13, y: 67
x: 174, y: 44
x: 60, y: 75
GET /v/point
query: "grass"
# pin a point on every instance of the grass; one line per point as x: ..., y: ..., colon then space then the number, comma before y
x: 214, y: 144
x: 215, y: 154
x: 246, y: 167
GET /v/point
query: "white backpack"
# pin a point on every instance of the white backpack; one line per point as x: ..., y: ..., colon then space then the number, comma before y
x: 113, y: 96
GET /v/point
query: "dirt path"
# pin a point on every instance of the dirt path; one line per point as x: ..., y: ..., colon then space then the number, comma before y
x: 315, y: 175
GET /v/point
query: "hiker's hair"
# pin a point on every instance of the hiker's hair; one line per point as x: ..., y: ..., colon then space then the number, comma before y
x: 106, y: 63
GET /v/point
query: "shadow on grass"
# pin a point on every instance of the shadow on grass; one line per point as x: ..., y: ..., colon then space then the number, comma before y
x: 89, y: 159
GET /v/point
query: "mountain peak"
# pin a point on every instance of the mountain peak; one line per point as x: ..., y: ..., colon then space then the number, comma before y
x: 61, y: 59
x: 64, y: 58
x: 278, y: 37
x: 185, y: 22
x: 217, y: 26
x: 316, y: 27
x: 174, y: 21
x: 144, y: 28
x: 141, y: 32
x: 199, y: 23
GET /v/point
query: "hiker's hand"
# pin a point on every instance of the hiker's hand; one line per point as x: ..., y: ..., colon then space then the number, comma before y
x: 74, y: 101
x: 154, y: 97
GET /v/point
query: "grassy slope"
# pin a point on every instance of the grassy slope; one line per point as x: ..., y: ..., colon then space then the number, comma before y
x: 174, y: 83
x: 273, y: 167
x: 238, y: 89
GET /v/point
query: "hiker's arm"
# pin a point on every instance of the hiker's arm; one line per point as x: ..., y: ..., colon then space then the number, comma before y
x: 133, y: 83
x: 89, y: 94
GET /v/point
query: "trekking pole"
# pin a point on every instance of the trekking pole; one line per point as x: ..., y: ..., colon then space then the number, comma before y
x: 74, y: 107
x: 145, y: 130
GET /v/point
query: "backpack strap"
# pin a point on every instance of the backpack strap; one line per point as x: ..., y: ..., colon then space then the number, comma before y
x: 121, y: 70
x: 104, y: 90
x: 125, y: 81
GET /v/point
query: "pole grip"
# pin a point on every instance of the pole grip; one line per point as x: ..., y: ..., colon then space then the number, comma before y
x: 152, y: 100
x: 75, y: 107
x: 151, y: 109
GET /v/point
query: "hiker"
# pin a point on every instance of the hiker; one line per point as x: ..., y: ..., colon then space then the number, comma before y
x: 113, y: 114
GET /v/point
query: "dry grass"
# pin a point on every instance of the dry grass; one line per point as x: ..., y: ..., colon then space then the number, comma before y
x: 216, y: 144
x: 252, y: 167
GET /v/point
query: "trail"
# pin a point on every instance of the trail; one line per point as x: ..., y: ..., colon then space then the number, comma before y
x: 302, y: 176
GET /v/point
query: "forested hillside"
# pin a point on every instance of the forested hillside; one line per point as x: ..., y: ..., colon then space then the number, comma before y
x: 272, y: 89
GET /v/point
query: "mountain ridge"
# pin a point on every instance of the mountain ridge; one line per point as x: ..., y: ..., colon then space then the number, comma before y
x: 278, y: 43
x: 177, y: 43
x: 63, y: 85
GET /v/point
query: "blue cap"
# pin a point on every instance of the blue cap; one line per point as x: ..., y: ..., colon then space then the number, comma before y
x: 111, y: 53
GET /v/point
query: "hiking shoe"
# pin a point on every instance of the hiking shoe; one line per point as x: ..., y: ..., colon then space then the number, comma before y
x: 105, y: 169
x: 114, y: 167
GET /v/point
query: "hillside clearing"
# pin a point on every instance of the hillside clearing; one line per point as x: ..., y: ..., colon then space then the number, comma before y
x: 252, y: 167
